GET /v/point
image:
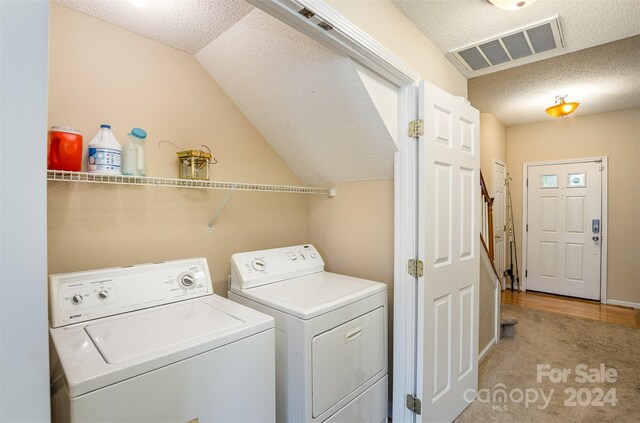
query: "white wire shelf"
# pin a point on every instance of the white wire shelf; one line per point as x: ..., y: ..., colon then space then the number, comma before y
x: 66, y: 176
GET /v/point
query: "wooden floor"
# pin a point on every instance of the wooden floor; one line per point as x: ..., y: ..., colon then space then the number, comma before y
x: 573, y: 307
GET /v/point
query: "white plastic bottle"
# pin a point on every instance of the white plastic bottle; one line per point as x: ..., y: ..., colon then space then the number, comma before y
x: 133, y: 153
x: 105, y: 153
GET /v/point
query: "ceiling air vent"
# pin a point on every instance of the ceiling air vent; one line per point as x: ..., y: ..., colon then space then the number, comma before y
x: 525, y: 45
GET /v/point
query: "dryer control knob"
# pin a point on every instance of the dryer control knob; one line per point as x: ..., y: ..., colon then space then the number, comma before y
x: 103, y: 295
x: 187, y: 280
x: 76, y: 299
x: 259, y: 264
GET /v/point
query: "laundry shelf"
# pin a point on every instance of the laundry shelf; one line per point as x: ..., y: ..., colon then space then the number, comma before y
x: 66, y: 176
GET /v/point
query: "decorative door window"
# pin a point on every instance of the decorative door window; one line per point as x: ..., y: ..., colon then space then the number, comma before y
x: 576, y: 180
x: 549, y: 181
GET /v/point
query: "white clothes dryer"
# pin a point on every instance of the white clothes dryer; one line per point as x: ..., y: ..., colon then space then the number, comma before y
x: 152, y: 343
x: 331, y: 334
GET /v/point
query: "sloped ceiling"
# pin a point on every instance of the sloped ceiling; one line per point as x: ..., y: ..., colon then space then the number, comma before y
x: 308, y: 102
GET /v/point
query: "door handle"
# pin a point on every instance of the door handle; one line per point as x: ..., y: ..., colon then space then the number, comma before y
x: 595, y: 238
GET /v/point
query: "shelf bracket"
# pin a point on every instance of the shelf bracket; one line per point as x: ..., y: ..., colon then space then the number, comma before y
x: 218, y: 211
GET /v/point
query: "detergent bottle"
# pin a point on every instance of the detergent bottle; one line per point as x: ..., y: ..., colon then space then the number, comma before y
x: 105, y: 153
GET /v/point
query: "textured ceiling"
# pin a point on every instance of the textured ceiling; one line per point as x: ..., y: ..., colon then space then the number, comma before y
x: 451, y: 24
x: 309, y: 103
x: 602, y: 79
x: 187, y: 25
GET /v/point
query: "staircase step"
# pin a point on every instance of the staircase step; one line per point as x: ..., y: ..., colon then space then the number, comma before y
x: 508, y: 328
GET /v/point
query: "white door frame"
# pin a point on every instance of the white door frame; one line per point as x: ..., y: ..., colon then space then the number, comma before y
x: 343, y: 36
x: 405, y: 287
x: 603, y: 224
x: 361, y: 47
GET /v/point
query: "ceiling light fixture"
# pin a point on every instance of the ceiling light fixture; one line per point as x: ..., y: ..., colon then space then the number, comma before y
x: 562, y: 108
x: 511, y: 4
x: 139, y: 3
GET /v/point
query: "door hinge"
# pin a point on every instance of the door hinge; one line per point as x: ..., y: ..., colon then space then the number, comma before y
x: 414, y: 404
x: 527, y: 182
x: 526, y: 273
x: 306, y: 13
x: 527, y: 228
x: 415, y: 268
x: 416, y: 128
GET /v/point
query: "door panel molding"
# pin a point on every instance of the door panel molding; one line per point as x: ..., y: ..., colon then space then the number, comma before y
x: 604, y: 162
x: 448, y: 241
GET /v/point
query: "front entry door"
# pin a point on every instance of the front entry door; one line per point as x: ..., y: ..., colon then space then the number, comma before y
x: 448, y: 244
x: 499, y: 217
x: 564, y: 211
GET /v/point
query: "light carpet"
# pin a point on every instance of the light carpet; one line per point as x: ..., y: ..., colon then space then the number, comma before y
x: 583, y: 393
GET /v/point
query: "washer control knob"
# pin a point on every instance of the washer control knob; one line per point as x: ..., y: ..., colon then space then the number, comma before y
x: 259, y: 264
x: 76, y: 299
x: 187, y: 280
x: 313, y: 255
x: 103, y: 295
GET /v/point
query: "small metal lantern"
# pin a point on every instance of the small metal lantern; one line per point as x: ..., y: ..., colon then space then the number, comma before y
x: 194, y: 164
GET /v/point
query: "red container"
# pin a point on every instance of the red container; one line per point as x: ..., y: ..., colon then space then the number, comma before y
x: 65, y: 149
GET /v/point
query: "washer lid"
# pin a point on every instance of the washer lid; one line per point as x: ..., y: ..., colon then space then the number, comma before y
x: 113, y: 349
x: 312, y: 295
x: 158, y: 329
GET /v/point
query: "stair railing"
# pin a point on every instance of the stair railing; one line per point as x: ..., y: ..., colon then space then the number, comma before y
x: 486, y: 231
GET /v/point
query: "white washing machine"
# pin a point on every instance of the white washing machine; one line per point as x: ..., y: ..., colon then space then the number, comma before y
x: 331, y: 334
x: 153, y: 343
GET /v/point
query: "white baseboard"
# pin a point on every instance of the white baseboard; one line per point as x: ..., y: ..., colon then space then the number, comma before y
x: 486, y: 349
x: 623, y: 303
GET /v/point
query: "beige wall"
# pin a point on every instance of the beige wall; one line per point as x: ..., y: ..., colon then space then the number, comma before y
x: 616, y: 135
x: 101, y: 73
x: 487, y: 306
x: 493, y: 145
x: 360, y: 211
x: 390, y: 27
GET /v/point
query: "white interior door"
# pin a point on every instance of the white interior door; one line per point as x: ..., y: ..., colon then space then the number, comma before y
x: 499, y: 216
x: 564, y: 202
x: 448, y: 244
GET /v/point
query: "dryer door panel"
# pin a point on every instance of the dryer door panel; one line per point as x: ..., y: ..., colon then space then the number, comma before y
x: 346, y: 357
